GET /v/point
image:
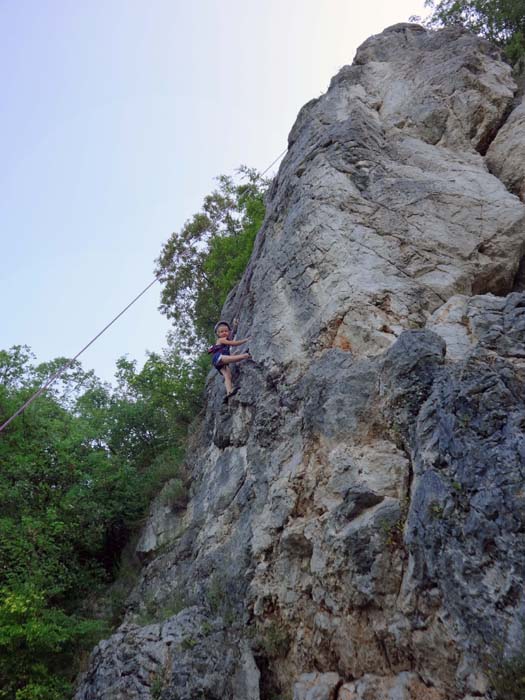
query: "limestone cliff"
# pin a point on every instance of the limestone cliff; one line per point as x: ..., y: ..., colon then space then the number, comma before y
x: 357, y: 513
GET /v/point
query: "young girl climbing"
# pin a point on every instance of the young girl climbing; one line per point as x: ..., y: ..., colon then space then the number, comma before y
x: 220, y: 353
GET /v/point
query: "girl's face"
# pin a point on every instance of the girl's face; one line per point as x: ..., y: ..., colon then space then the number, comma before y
x: 223, y: 332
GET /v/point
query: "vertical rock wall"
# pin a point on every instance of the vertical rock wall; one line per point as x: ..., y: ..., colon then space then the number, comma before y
x: 357, y: 516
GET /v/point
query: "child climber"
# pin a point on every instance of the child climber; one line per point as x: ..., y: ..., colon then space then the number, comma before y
x: 220, y: 353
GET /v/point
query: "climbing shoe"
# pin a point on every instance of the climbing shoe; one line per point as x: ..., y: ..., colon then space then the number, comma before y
x: 232, y: 393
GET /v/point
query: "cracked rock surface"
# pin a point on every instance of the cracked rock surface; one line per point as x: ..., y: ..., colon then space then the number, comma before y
x: 506, y: 155
x: 357, y: 517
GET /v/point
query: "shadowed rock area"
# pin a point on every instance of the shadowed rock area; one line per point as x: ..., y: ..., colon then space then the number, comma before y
x: 356, y: 523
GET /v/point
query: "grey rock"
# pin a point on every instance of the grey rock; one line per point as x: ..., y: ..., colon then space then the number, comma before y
x: 457, y: 97
x: 180, y: 658
x: 494, y: 323
x: 317, y: 686
x: 467, y: 516
x: 404, y: 686
x: 364, y: 190
x: 356, y: 521
x: 506, y: 155
x: 407, y: 376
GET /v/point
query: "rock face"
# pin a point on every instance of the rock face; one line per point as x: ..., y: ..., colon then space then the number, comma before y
x: 506, y: 155
x: 357, y: 518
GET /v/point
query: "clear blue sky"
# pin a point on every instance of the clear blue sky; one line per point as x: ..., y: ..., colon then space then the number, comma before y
x: 116, y: 116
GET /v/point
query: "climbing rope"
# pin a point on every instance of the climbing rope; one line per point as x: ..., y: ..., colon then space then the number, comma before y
x: 274, y: 162
x: 68, y: 364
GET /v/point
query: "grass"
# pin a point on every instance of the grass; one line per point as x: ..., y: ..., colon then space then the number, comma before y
x: 218, y: 600
x: 507, y: 675
x: 155, y: 612
x: 394, y: 531
x: 188, y: 643
x: 274, y: 641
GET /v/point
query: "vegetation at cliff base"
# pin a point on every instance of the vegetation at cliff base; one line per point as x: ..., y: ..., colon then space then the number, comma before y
x: 79, y: 468
x: 506, y: 670
x: 500, y: 21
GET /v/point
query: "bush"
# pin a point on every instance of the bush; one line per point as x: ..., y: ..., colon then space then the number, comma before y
x: 507, y: 675
x: 500, y: 21
x: 81, y: 465
x: 38, y: 644
x: 175, y: 494
x: 274, y: 641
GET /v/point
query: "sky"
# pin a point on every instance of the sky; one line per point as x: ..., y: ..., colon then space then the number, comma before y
x: 116, y: 117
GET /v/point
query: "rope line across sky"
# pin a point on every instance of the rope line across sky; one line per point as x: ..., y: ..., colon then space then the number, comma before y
x: 68, y: 364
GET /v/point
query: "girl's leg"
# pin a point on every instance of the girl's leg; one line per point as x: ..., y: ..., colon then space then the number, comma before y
x: 228, y: 359
x: 227, y: 374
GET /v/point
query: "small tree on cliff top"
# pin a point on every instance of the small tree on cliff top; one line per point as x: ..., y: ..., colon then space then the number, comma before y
x: 500, y: 21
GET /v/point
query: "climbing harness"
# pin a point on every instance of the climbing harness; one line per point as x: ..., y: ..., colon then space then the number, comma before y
x: 218, y: 350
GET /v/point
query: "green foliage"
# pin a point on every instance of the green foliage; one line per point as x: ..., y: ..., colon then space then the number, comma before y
x: 78, y: 470
x: 500, y: 21
x: 112, y: 603
x: 507, y: 674
x: 151, y: 410
x: 158, y: 612
x: 188, y: 643
x: 219, y: 600
x: 206, y: 628
x: 202, y: 263
x: 436, y: 511
x: 157, y: 687
x: 274, y: 641
x: 80, y: 466
x: 60, y: 496
x: 161, y: 678
x: 175, y: 494
x: 38, y: 644
x: 216, y: 594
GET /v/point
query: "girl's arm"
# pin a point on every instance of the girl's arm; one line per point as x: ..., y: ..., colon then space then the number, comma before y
x: 233, y: 331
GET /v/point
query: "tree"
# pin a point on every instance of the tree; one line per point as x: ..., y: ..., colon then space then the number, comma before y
x: 78, y: 470
x: 81, y: 464
x: 500, y: 21
x: 38, y: 644
x: 150, y: 411
x: 199, y: 265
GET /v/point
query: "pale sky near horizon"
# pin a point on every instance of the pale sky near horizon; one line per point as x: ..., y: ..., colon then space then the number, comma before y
x: 116, y: 116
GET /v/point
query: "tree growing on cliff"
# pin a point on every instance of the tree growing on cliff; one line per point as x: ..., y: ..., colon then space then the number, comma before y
x: 199, y: 265
x: 500, y: 21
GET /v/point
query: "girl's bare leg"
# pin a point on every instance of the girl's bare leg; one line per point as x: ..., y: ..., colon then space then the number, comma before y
x: 227, y: 374
x: 228, y: 359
